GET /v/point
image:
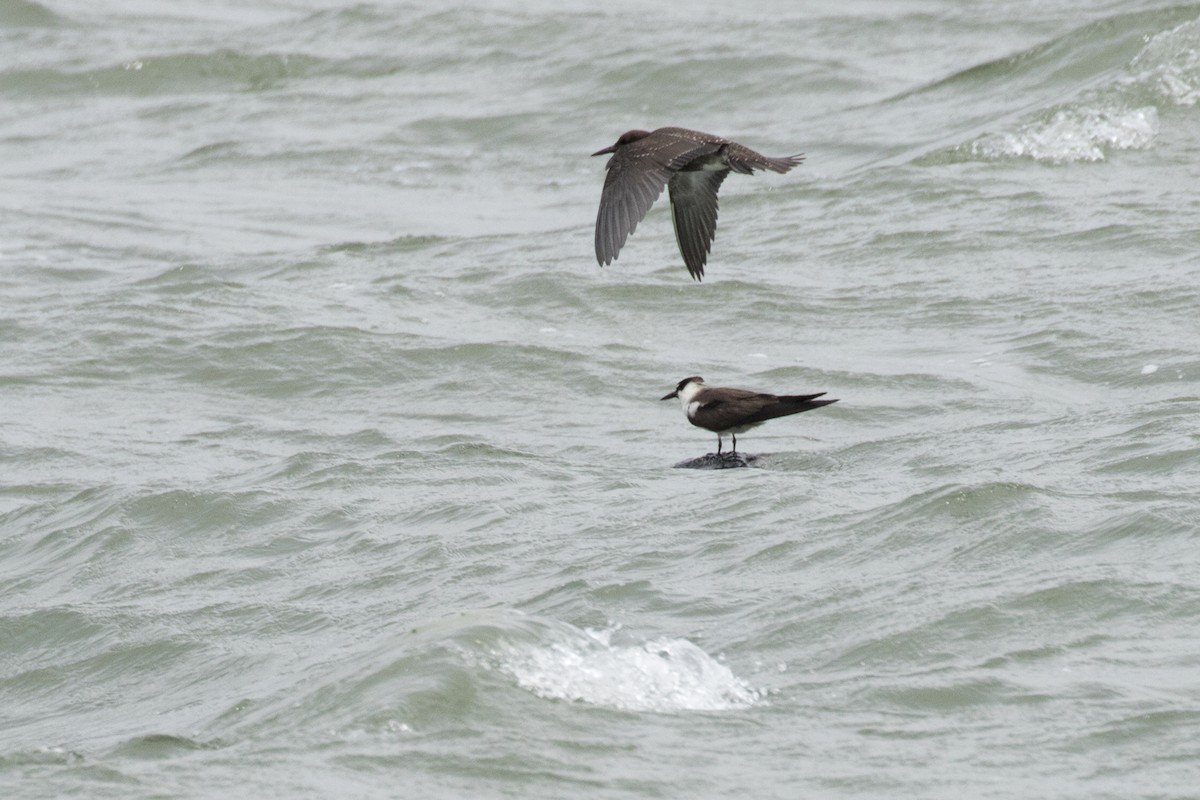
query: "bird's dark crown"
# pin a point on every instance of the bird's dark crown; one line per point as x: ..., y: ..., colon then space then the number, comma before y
x: 680, y: 385
x: 629, y: 137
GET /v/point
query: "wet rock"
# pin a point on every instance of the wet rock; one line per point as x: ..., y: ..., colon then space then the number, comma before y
x: 722, y: 461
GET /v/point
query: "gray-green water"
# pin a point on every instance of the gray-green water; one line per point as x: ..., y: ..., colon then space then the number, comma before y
x: 333, y: 465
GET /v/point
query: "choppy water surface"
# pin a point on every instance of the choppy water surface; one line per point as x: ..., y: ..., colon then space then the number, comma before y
x: 333, y: 465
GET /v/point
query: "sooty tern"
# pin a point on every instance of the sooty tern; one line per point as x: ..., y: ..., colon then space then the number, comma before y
x: 693, y: 165
x: 735, y: 411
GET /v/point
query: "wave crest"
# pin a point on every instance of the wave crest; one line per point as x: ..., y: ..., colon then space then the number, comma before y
x: 663, y: 674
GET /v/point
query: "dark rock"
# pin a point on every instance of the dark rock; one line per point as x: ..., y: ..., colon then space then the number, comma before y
x: 722, y: 461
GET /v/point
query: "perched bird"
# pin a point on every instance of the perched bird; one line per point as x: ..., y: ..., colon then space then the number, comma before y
x: 693, y: 165
x: 736, y: 411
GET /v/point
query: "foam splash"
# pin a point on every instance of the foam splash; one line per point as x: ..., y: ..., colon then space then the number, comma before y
x: 1169, y: 65
x: 662, y: 675
x: 1121, y: 115
x: 1073, y: 134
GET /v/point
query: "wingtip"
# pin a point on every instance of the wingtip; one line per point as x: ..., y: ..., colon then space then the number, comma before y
x: 693, y: 261
x: 782, y: 165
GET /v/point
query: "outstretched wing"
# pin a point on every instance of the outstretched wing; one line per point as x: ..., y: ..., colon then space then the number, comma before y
x: 694, y: 212
x: 744, y: 160
x: 630, y: 188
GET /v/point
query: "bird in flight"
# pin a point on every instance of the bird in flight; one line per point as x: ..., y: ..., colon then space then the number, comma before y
x: 692, y: 165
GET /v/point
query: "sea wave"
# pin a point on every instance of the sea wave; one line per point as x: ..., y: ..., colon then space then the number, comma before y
x: 1113, y: 107
x: 663, y: 674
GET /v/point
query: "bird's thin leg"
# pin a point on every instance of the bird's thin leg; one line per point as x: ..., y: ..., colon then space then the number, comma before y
x: 718, y: 444
x: 734, y: 435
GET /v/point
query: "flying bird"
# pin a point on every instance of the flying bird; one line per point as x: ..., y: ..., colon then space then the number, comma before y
x: 735, y: 411
x: 693, y: 165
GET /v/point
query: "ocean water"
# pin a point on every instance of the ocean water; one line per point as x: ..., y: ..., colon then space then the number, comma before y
x: 332, y: 464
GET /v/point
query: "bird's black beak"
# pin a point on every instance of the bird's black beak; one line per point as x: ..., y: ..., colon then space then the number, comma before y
x: 609, y: 149
x: 669, y: 396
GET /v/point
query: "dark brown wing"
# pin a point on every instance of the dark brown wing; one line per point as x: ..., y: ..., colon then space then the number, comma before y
x: 630, y: 188
x: 737, y: 407
x: 744, y: 160
x: 792, y: 404
x: 718, y: 411
x: 676, y: 147
x: 694, y: 212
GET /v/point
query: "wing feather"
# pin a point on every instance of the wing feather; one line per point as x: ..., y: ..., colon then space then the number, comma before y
x: 627, y: 196
x: 694, y: 211
x: 735, y: 408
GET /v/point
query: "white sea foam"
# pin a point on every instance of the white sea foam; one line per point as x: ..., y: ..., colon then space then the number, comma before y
x: 663, y: 674
x: 1169, y: 64
x: 1121, y: 115
x: 1073, y: 134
